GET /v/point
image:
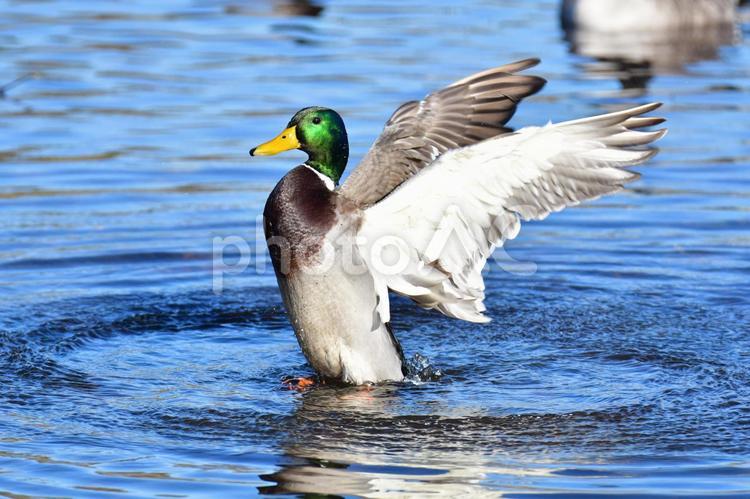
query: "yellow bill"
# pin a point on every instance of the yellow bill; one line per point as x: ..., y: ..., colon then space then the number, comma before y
x: 284, y: 141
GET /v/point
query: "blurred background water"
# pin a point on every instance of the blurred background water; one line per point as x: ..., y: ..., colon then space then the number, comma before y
x: 621, y: 367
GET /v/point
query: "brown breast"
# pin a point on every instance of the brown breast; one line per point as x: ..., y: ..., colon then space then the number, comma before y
x: 299, y: 213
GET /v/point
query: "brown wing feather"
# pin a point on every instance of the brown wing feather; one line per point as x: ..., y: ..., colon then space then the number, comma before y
x: 467, y: 111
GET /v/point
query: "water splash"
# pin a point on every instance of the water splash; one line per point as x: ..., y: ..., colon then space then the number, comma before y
x: 421, y: 370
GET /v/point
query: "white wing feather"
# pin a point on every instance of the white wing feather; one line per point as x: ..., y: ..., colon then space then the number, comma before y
x: 430, y: 238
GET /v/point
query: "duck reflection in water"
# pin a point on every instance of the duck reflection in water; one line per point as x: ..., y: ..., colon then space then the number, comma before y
x: 635, y: 40
x: 344, y: 441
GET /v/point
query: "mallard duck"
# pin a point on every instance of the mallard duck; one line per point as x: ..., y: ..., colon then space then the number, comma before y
x: 443, y: 185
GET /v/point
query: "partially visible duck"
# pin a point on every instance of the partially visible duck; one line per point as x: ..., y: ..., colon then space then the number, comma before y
x: 637, y: 39
x: 443, y: 186
x: 640, y: 15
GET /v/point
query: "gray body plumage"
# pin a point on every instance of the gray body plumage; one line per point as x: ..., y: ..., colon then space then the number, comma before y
x: 330, y: 302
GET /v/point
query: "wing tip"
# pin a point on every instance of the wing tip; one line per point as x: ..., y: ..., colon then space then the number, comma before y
x: 516, y: 66
x: 645, y: 108
x: 476, y: 318
x: 505, y: 69
x: 523, y: 64
x: 632, y: 177
x: 631, y: 117
x: 637, y: 122
x: 639, y: 111
x: 537, y: 83
x: 660, y: 134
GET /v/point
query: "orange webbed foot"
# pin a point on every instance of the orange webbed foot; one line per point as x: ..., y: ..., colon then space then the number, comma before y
x: 300, y: 383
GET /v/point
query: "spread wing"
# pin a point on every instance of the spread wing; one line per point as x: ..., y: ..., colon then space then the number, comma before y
x: 465, y: 112
x: 431, y: 237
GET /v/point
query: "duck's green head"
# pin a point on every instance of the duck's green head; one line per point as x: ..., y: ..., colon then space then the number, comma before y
x: 318, y: 131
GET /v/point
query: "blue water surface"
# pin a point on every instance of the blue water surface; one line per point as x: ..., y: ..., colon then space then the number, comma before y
x: 618, y: 361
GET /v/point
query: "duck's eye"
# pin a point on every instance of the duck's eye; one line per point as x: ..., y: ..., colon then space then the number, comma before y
x: 316, y: 120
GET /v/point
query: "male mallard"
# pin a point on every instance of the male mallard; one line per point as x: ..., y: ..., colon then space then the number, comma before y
x: 443, y: 185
